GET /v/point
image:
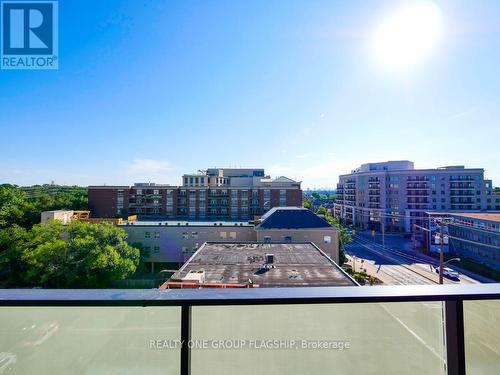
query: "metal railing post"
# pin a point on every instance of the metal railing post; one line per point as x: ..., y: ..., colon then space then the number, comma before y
x: 185, y: 337
x: 454, y: 337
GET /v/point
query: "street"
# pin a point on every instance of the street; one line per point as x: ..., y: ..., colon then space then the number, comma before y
x: 395, y: 263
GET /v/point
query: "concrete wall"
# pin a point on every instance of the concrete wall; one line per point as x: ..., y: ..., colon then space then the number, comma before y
x: 63, y: 216
x: 316, y: 236
x: 176, y: 244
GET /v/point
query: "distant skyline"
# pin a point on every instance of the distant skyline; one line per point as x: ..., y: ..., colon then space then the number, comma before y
x: 148, y: 91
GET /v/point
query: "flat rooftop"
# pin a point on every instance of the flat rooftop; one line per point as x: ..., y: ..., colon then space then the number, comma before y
x: 490, y: 216
x: 190, y: 223
x: 236, y: 263
x: 483, y: 216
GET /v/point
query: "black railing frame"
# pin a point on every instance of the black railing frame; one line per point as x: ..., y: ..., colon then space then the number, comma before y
x: 453, y: 297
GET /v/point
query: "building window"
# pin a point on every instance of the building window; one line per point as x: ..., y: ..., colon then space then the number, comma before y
x: 287, y: 239
x: 194, y: 235
x: 232, y: 235
x: 185, y: 235
x: 156, y: 249
x: 156, y: 234
x: 267, y: 239
x: 147, y: 234
x: 223, y: 235
x: 139, y: 191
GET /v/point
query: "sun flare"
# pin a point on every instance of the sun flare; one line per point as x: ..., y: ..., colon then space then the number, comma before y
x: 408, y: 36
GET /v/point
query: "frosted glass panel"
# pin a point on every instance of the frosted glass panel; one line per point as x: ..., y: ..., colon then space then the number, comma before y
x: 88, y: 340
x: 389, y: 338
x: 482, y: 337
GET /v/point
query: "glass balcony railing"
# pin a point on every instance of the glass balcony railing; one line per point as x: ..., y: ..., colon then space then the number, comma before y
x: 451, y: 329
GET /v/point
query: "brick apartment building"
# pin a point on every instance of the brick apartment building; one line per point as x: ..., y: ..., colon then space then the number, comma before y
x: 218, y: 193
x: 394, y: 195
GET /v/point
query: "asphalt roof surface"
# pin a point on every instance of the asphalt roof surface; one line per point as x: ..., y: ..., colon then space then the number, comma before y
x: 294, y: 265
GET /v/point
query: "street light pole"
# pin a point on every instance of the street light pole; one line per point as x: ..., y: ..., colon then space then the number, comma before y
x: 383, y: 233
x: 441, y: 252
x: 451, y: 260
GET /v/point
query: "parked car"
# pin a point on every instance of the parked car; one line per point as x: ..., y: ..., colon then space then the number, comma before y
x: 448, y: 272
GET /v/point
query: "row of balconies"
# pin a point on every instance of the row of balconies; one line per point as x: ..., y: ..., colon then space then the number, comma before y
x: 418, y: 178
x: 411, y: 193
x: 461, y: 178
x: 463, y: 193
x: 410, y: 185
x: 417, y: 200
x: 462, y: 200
x: 462, y: 185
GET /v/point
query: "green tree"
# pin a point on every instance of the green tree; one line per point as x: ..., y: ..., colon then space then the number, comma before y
x: 306, y: 203
x: 14, y: 207
x: 13, y: 241
x: 77, y: 255
x: 322, y: 211
x: 344, y: 235
x: 23, y: 206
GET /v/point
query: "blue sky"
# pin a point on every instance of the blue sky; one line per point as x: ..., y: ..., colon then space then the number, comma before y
x: 149, y: 90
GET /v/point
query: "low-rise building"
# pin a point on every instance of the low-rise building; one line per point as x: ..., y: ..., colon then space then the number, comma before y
x: 176, y: 241
x: 64, y: 216
x: 172, y: 241
x: 247, y: 265
x: 212, y: 194
x: 297, y: 224
x: 476, y: 236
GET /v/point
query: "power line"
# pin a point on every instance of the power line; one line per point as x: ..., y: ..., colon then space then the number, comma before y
x: 433, y: 218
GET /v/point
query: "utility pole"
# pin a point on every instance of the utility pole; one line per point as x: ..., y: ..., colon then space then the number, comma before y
x: 443, y: 222
x: 441, y: 252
